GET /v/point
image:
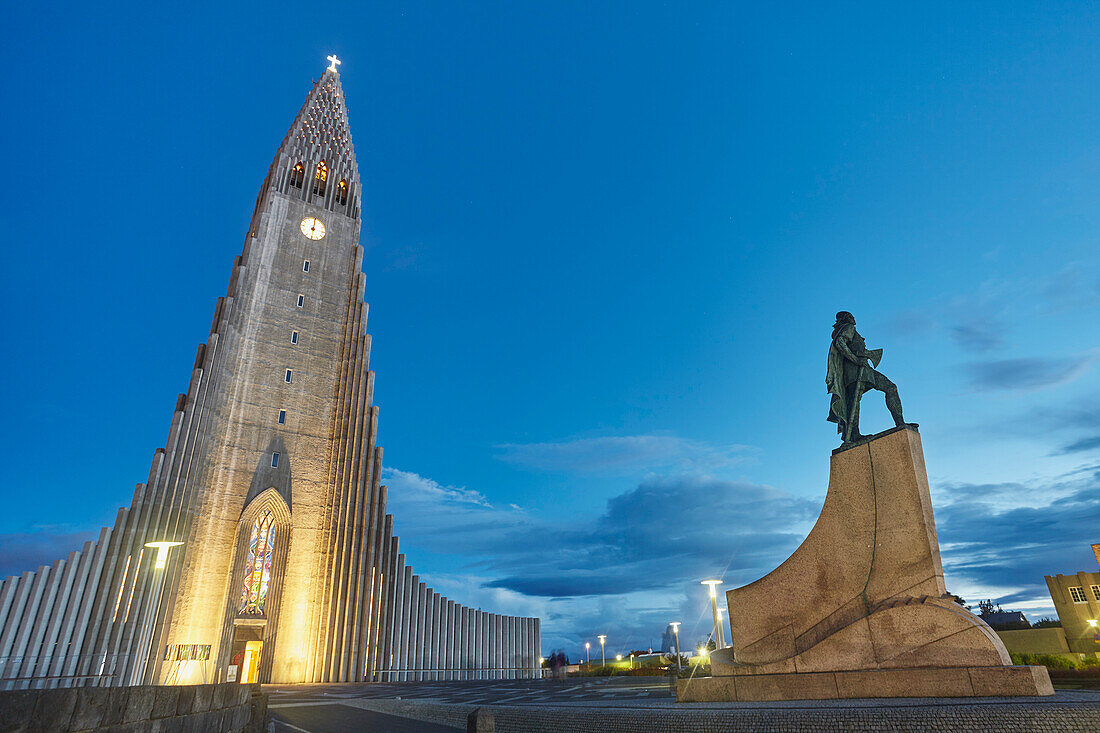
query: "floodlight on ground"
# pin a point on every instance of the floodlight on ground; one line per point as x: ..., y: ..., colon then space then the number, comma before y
x: 1093, y: 623
x: 162, y: 547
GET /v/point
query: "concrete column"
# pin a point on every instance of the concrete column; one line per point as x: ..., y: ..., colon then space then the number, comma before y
x: 437, y: 630
x: 475, y: 644
x: 497, y: 641
x: 486, y: 648
x: 95, y: 554
x: 407, y: 633
x: 431, y: 625
x: 417, y: 647
x: 397, y: 614
x: 524, y: 651
x: 532, y: 652
x: 464, y: 642
x: 444, y: 636
x: 37, y: 655
x: 401, y: 599
x: 482, y: 644
x: 502, y: 647
x: 30, y: 617
x: 471, y: 648
x: 22, y: 590
x: 452, y: 640
x: 506, y: 647
x: 510, y: 662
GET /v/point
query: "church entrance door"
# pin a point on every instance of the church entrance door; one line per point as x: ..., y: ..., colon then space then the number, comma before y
x: 251, y: 666
x: 246, y: 652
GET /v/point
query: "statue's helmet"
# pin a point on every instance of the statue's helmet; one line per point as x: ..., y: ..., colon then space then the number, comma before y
x: 844, y: 318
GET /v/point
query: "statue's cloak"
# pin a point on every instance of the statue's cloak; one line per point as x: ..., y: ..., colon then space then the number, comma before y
x: 841, y: 375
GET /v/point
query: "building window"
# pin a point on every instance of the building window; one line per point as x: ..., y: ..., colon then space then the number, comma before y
x: 274, y: 460
x: 320, y: 179
x: 1077, y: 593
x: 288, y: 375
x: 297, y: 175
x: 293, y: 337
x: 1096, y: 592
x: 305, y: 266
x: 342, y: 193
x: 282, y: 417
x: 301, y: 300
x: 257, y: 569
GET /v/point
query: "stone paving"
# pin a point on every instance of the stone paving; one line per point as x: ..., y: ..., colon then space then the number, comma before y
x: 637, y: 704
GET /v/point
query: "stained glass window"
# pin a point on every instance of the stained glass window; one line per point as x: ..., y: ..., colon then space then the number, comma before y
x: 257, y: 569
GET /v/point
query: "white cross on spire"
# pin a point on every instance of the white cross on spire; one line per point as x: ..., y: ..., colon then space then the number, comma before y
x: 334, y: 62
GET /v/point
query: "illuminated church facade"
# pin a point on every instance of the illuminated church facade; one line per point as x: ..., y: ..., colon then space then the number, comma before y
x: 265, y: 504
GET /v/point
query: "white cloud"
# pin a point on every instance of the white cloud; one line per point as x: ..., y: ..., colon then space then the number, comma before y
x: 412, y: 487
x: 629, y: 454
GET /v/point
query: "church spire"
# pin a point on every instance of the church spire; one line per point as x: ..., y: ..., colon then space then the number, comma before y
x: 316, y: 161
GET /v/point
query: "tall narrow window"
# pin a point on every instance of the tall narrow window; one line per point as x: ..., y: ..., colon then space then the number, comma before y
x: 293, y: 337
x: 282, y: 417
x: 257, y: 569
x: 305, y: 266
x: 274, y: 460
x: 301, y: 300
x: 289, y: 373
x: 297, y: 175
x: 320, y: 179
x: 342, y: 193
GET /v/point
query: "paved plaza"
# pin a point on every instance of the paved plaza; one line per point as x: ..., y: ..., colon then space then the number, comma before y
x: 647, y: 704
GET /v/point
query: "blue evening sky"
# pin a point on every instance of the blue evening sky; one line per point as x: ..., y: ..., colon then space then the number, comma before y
x: 605, y: 244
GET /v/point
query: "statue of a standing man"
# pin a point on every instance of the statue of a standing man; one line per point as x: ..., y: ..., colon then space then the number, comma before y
x: 849, y: 376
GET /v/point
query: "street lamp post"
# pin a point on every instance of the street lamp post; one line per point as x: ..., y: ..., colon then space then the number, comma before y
x: 587, y: 656
x: 676, y: 635
x: 603, y: 654
x: 160, y: 562
x: 719, y: 633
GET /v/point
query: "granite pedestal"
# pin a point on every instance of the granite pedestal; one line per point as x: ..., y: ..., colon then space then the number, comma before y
x: 860, y: 609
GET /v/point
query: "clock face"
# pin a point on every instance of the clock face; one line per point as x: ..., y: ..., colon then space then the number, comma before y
x: 313, y: 228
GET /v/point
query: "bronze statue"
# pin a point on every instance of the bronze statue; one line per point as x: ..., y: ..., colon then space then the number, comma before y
x: 849, y: 376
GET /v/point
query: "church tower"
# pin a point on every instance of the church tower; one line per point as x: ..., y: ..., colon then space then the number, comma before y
x: 290, y: 461
x: 282, y: 565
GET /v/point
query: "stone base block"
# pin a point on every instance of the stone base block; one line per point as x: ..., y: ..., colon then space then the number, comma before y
x: 918, y: 682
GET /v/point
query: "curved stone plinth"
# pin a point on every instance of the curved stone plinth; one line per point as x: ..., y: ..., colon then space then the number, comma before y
x: 865, y: 593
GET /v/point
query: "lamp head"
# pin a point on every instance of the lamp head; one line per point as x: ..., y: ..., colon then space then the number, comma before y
x: 712, y: 584
x: 602, y: 638
x: 162, y: 547
x: 1093, y: 623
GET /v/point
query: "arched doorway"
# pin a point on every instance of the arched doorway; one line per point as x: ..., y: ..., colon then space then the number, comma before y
x: 252, y: 606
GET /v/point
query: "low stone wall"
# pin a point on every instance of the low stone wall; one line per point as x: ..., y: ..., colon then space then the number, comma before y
x: 224, y: 708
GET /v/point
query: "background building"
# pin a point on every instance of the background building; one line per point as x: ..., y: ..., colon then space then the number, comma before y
x: 1077, y: 601
x: 266, y: 501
